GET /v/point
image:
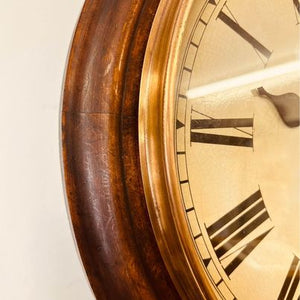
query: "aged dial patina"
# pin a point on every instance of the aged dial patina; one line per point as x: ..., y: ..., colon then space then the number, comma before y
x: 237, y: 144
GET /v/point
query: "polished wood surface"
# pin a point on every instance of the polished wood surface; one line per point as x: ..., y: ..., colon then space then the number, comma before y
x: 100, y: 152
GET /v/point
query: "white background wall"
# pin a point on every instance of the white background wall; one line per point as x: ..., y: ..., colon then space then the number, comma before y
x: 38, y: 259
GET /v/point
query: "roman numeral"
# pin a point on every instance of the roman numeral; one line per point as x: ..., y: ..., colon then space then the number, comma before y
x: 297, y: 12
x: 291, y: 282
x: 234, y: 227
x: 297, y: 5
x: 199, y: 137
x: 232, y: 23
x: 244, y: 34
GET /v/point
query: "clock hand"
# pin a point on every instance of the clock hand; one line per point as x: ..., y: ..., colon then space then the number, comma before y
x: 287, y: 106
x: 244, y: 80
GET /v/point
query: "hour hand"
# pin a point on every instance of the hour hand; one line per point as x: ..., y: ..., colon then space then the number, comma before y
x: 287, y: 106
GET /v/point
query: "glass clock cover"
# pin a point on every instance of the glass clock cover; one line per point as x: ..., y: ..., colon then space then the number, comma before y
x: 237, y: 144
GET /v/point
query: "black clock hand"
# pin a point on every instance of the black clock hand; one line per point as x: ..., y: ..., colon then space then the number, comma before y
x: 287, y: 106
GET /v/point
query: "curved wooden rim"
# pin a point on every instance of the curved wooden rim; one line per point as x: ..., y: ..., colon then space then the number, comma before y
x: 157, y: 151
x: 100, y: 152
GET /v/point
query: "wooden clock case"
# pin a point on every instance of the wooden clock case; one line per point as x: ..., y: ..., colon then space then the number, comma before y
x: 101, y: 155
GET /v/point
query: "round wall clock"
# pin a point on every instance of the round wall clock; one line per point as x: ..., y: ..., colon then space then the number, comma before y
x: 181, y: 154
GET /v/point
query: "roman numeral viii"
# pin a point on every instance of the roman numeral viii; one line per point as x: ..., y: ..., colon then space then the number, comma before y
x: 233, y: 229
x: 291, y: 282
x: 244, y: 140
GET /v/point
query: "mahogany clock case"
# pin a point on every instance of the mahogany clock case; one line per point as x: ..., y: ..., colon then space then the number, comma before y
x: 100, y: 152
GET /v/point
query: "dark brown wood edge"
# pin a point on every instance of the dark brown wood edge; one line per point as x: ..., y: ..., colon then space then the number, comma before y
x: 100, y: 152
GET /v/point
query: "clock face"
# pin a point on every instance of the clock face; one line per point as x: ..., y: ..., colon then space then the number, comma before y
x: 237, y: 145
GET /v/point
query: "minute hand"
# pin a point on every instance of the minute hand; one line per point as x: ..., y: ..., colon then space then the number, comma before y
x: 287, y: 106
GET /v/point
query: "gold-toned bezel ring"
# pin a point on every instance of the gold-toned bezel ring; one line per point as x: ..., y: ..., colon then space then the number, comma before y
x: 157, y: 151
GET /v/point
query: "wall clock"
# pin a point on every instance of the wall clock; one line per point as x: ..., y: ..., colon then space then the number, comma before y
x: 180, y: 126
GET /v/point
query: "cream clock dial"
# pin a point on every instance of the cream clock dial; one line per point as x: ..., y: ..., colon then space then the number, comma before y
x: 237, y: 144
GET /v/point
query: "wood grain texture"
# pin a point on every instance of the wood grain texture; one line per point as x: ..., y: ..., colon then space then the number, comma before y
x: 100, y: 152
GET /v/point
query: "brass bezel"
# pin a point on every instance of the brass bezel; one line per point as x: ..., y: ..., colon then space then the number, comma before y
x: 157, y: 152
